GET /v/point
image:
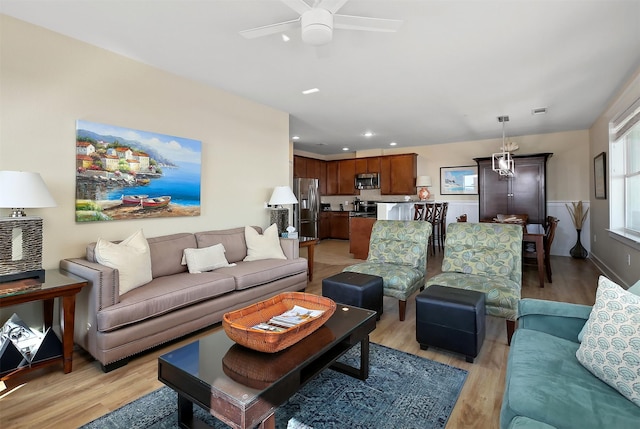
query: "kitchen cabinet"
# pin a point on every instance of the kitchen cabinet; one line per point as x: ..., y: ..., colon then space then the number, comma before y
x: 359, y: 235
x: 324, y: 226
x: 332, y: 178
x: 307, y: 167
x: 524, y: 193
x: 398, y: 174
x: 334, y: 224
x: 346, y: 176
x: 299, y: 167
x: 339, y: 225
x: 368, y: 165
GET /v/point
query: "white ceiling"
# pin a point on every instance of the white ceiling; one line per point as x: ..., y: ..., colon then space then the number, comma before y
x: 453, y: 67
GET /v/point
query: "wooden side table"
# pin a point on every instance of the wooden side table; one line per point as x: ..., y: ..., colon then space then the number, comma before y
x: 310, y: 244
x: 57, y: 284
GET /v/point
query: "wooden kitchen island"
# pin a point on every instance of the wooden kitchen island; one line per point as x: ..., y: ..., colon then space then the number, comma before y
x: 359, y: 235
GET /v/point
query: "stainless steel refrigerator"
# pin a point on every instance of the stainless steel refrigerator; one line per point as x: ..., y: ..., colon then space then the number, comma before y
x: 306, y: 213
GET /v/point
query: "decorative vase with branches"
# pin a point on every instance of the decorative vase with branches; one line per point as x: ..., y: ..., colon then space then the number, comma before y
x: 578, y: 215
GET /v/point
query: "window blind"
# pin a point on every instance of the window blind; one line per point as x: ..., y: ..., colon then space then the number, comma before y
x: 625, y: 121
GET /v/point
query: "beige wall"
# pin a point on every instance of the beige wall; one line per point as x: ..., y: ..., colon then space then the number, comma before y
x: 611, y: 255
x: 48, y: 81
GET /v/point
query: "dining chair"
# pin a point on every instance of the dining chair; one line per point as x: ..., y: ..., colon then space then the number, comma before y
x: 418, y: 211
x: 529, y: 254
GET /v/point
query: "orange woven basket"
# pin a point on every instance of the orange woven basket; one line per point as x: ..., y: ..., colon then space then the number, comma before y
x: 238, y: 324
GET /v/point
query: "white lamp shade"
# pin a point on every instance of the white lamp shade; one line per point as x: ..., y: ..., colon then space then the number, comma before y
x: 282, y: 195
x: 423, y: 181
x: 23, y: 189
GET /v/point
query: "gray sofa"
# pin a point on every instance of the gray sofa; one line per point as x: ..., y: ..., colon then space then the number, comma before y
x: 113, y: 328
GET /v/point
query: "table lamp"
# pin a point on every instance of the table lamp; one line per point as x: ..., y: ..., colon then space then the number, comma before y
x: 280, y: 215
x: 21, y: 235
x: 423, y: 182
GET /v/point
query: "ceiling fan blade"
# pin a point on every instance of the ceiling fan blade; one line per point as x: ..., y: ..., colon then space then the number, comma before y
x: 347, y: 22
x: 298, y: 5
x: 270, y: 29
x: 332, y: 5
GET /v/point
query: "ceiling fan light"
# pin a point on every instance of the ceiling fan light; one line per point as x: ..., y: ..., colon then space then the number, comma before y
x: 317, y: 26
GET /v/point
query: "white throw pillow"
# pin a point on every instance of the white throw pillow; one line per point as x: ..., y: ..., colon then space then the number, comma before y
x: 610, y: 348
x: 265, y: 246
x: 205, y: 259
x: 131, y: 258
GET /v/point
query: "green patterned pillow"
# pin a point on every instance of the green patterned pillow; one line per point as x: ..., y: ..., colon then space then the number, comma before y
x: 610, y: 348
x: 395, y: 252
x: 480, y: 260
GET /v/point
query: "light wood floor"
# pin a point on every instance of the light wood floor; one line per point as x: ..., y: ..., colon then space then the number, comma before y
x: 47, y: 398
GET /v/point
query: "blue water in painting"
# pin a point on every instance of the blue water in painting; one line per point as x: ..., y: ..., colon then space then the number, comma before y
x: 182, y: 184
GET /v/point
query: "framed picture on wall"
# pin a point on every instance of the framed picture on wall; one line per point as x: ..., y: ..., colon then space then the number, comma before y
x: 600, y: 176
x: 459, y: 180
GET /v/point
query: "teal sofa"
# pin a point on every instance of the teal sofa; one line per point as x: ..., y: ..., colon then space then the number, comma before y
x: 546, y: 386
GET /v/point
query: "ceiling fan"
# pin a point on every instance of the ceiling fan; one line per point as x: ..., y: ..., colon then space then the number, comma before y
x: 318, y: 21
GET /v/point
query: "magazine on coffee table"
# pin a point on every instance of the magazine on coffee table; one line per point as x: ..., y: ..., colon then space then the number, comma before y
x: 288, y: 319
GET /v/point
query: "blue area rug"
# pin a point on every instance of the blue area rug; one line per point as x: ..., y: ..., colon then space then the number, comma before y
x: 402, y: 391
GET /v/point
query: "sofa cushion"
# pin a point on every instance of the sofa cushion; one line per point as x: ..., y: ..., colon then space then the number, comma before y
x: 610, y: 348
x: 163, y: 295
x: 233, y: 241
x: 130, y: 257
x: 263, y: 246
x: 545, y: 382
x: 205, y: 259
x: 478, y: 260
x: 256, y: 273
x: 166, y: 253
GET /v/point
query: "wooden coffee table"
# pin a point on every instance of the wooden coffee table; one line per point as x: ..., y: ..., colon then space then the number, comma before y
x: 243, y: 387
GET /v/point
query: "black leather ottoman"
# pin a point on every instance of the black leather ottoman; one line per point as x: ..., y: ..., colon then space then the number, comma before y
x: 359, y: 290
x: 451, y: 319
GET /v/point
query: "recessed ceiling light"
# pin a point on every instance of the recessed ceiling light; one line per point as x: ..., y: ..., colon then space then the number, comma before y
x: 310, y: 91
x: 393, y: 144
x: 285, y: 38
x: 368, y: 134
x: 295, y: 138
x: 539, y: 111
x: 345, y: 148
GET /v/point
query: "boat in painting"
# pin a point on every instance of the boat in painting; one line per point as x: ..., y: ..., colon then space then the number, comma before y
x: 132, y: 200
x: 154, y: 203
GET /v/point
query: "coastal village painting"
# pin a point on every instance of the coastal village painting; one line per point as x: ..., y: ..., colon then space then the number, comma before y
x: 124, y: 173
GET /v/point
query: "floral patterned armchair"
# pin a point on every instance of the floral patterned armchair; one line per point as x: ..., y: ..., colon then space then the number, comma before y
x: 485, y: 257
x: 398, y: 254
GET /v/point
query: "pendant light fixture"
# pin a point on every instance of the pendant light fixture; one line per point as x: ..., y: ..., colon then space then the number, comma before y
x: 502, y: 162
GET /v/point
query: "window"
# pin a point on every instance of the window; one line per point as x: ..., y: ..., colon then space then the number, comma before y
x: 624, y: 151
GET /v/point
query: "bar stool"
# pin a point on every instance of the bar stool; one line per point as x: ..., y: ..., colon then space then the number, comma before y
x: 443, y: 224
x: 436, y: 223
x: 430, y: 209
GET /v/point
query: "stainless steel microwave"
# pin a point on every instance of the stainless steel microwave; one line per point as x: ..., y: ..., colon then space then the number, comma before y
x: 367, y: 181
